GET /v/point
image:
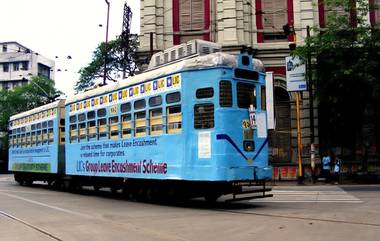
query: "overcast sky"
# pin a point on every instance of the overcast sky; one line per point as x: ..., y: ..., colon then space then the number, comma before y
x: 63, y: 27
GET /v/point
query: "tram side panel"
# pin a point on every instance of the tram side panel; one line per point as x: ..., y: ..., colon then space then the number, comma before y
x: 36, y: 153
x: 152, y: 156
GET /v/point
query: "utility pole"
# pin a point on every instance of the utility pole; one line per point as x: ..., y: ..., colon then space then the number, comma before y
x: 125, y: 33
x: 299, y: 146
x: 311, y: 101
x: 151, y: 44
x: 106, y: 45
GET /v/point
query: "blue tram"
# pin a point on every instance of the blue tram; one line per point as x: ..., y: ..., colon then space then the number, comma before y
x: 36, y: 143
x: 195, y: 127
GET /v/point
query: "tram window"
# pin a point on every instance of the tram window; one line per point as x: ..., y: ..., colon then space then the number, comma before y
x: 44, y: 124
x: 17, y: 140
x: 139, y: 104
x: 156, y: 121
x: 203, y: 116
x: 126, y: 125
x: 173, y: 97
x: 126, y: 107
x: 82, y: 130
x: 28, y: 141
x: 91, y: 125
x: 50, y: 123
x: 102, y: 124
x: 38, y: 126
x: 81, y: 117
x: 114, y: 127
x: 44, y: 136
x: 246, y: 95
x: 51, y: 135
x: 91, y: 115
x: 33, y: 127
x: 225, y: 93
x: 73, y: 132
x: 23, y: 140
x: 73, y: 119
x: 155, y: 101
x: 38, y: 137
x: 102, y: 112
x: 33, y: 142
x: 140, y: 123
x: 263, y: 98
x: 174, y: 119
x: 204, y: 93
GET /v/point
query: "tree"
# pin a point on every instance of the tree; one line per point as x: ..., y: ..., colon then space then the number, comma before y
x: 37, y: 92
x: 118, y: 61
x: 346, y: 58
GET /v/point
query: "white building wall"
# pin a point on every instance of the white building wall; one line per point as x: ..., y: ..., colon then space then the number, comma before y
x: 17, y: 53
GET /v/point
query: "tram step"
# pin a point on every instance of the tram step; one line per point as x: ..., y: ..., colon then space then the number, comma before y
x: 263, y: 190
x: 248, y: 198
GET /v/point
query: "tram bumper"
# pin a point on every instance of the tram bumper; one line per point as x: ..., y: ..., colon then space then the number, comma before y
x: 262, y: 173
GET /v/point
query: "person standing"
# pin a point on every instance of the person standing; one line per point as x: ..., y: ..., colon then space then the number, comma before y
x: 326, y: 163
x: 337, y: 169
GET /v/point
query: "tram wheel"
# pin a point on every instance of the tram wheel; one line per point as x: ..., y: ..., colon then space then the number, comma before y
x: 212, y: 197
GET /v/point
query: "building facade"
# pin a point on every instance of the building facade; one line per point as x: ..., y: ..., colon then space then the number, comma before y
x: 18, y: 64
x: 267, y: 26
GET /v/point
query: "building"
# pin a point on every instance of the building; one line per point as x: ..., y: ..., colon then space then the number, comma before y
x: 267, y: 26
x: 18, y: 64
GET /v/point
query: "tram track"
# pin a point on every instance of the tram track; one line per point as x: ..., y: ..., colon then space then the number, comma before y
x: 46, y: 233
x: 299, y: 218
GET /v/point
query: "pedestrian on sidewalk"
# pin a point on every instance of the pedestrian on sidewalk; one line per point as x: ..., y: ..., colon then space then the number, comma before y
x: 337, y: 169
x: 326, y: 165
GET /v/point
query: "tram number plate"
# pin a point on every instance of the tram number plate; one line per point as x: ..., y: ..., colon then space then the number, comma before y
x: 246, y: 124
x: 113, y: 110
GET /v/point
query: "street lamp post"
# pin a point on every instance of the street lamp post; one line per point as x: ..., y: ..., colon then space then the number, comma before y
x: 105, y: 45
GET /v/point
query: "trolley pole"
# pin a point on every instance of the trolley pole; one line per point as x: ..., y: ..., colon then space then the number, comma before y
x: 300, y: 176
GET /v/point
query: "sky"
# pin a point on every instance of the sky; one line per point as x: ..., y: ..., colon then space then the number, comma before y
x: 64, y: 28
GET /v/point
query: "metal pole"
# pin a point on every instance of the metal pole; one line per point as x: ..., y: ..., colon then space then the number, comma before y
x: 105, y: 45
x: 299, y: 138
x: 311, y: 98
x: 151, y: 44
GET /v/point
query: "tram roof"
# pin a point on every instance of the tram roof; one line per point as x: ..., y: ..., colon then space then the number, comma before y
x: 58, y: 103
x: 199, y: 62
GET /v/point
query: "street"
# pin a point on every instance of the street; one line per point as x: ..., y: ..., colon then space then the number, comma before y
x: 320, y: 212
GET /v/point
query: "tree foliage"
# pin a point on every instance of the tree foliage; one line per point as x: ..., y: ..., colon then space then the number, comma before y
x: 346, y: 56
x: 37, y: 92
x: 118, y: 62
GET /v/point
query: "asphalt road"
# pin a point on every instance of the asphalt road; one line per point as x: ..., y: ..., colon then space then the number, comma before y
x: 326, y: 212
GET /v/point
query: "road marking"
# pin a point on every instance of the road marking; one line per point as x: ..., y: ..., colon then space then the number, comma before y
x: 46, y: 205
x: 304, y: 196
x: 136, y: 228
x: 30, y: 225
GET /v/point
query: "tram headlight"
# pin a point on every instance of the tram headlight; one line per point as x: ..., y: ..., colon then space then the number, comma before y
x: 249, y: 145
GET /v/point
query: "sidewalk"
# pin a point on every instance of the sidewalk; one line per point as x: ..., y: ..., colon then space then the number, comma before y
x: 322, y: 182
